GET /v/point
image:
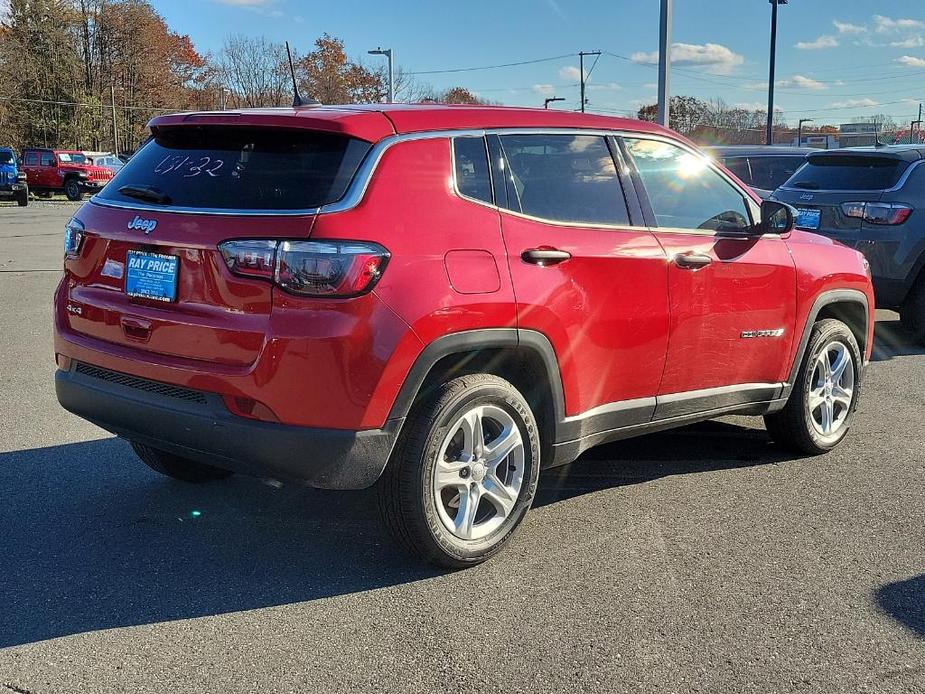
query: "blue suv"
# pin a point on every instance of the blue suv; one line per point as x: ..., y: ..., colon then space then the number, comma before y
x: 12, y: 180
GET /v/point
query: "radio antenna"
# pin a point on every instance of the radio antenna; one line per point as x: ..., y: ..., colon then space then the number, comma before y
x: 296, y: 97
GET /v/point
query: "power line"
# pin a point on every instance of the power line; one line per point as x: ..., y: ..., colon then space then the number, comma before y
x: 492, y: 67
x: 84, y: 105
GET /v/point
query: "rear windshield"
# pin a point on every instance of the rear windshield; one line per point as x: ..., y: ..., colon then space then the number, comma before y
x: 848, y: 173
x: 225, y: 168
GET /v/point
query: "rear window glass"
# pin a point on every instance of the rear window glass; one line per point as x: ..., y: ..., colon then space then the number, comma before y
x: 472, y: 177
x: 228, y: 168
x: 848, y: 173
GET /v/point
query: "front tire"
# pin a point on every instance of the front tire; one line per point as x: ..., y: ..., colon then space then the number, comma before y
x: 818, y: 414
x: 72, y: 190
x: 178, y: 467
x: 463, y: 473
x: 22, y: 197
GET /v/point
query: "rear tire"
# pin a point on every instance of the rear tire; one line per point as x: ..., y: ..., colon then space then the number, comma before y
x: 72, y: 190
x: 463, y: 473
x: 912, y: 314
x: 178, y: 467
x: 22, y: 197
x: 818, y: 414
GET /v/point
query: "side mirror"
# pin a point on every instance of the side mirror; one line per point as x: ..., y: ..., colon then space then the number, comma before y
x: 776, y: 217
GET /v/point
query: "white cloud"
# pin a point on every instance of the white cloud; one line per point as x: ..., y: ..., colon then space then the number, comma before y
x: 605, y: 87
x: 914, y: 41
x: 717, y: 58
x: 886, y: 25
x: 570, y: 73
x: 751, y: 106
x: 848, y: 27
x: 821, y: 42
x: 650, y: 85
x: 801, y: 82
x: 910, y: 61
x: 855, y: 103
x: 544, y: 89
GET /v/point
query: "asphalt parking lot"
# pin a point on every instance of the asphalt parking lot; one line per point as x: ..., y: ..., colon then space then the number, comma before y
x: 703, y: 560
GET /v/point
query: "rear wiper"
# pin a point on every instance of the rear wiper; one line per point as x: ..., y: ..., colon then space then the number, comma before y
x: 806, y: 185
x: 146, y: 193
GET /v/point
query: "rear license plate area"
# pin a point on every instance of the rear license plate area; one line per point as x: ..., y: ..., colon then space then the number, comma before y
x: 151, y: 275
x: 808, y: 219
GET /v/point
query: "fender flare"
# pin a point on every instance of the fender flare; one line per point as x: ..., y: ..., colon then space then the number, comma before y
x: 473, y: 341
x: 826, y: 298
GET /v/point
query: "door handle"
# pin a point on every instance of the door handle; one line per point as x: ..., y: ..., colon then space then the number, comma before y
x: 544, y: 256
x: 692, y: 261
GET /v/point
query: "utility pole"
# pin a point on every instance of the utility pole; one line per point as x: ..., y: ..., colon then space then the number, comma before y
x: 115, y: 131
x: 581, y: 68
x: 770, y: 129
x: 664, y: 64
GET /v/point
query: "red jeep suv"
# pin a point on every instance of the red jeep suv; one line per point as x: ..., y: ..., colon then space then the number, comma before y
x: 51, y: 171
x: 442, y: 301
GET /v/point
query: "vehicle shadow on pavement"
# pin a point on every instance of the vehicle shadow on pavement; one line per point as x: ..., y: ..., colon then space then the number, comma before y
x: 904, y: 601
x: 91, y: 539
x: 703, y: 447
x: 891, y: 340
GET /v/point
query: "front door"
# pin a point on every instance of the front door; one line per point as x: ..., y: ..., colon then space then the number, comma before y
x: 732, y: 292
x: 584, y: 276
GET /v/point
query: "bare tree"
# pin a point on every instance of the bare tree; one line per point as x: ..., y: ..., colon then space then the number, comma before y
x: 255, y: 71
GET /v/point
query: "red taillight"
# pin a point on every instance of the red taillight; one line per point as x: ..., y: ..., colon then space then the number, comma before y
x: 309, y: 268
x: 885, y: 213
x: 250, y: 258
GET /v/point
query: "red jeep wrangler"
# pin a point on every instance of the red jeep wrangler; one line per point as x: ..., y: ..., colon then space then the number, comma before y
x: 443, y: 300
x: 62, y: 171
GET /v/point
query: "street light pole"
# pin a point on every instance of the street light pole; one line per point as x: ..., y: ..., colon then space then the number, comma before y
x: 800, y: 130
x: 388, y: 54
x: 770, y: 129
x: 664, y: 64
x: 548, y: 101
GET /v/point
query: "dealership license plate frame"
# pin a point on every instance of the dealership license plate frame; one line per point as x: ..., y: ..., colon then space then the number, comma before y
x: 808, y: 218
x: 151, y: 276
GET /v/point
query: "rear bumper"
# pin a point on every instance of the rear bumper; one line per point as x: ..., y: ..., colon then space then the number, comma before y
x: 197, y: 425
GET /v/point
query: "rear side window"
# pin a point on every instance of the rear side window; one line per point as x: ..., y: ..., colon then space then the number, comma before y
x: 233, y: 168
x: 564, y: 178
x: 846, y: 172
x: 31, y: 159
x: 471, y: 162
x: 48, y: 159
x: 739, y: 166
x: 684, y: 192
x: 771, y: 172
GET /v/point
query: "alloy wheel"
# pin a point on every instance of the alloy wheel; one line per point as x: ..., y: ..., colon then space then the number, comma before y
x: 479, y: 472
x: 831, y: 391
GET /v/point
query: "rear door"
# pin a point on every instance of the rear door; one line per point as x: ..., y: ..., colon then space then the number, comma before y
x: 732, y: 293
x: 149, y: 273
x: 584, y: 274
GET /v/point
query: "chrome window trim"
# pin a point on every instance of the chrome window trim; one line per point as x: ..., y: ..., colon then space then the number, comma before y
x: 899, y: 184
x: 231, y: 212
x: 455, y: 180
x: 356, y: 191
x: 523, y: 215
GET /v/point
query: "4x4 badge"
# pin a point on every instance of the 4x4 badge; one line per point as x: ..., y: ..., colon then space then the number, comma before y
x: 145, y: 225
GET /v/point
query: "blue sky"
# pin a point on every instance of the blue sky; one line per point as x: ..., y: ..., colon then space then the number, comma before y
x: 836, y: 59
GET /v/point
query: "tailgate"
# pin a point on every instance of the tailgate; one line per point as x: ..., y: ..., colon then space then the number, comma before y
x: 215, y: 316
